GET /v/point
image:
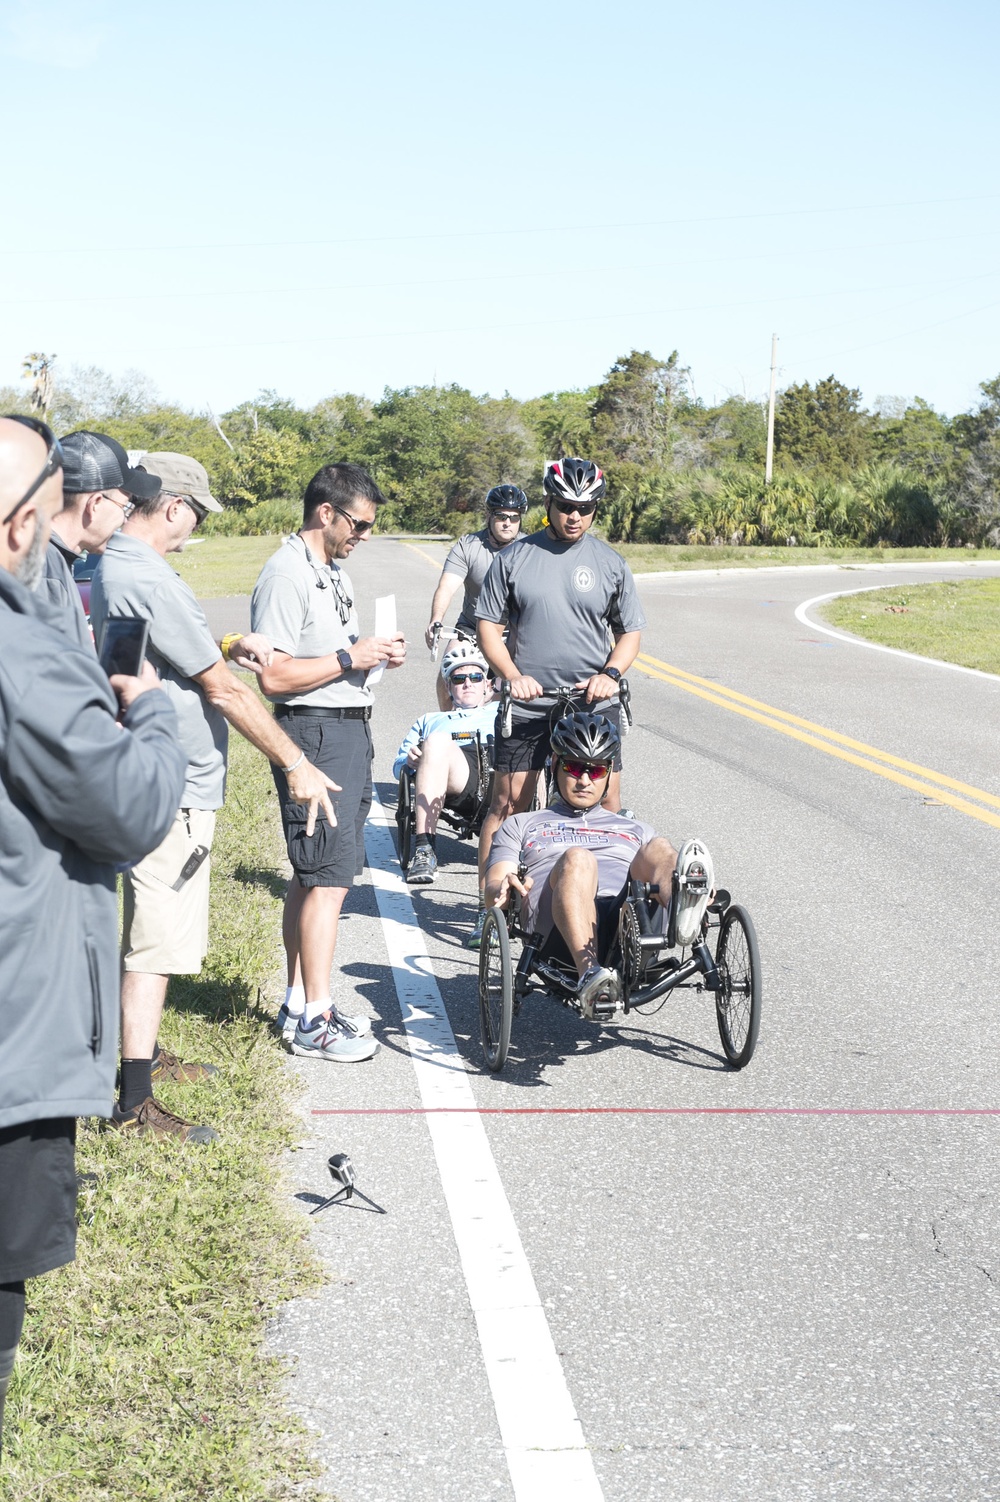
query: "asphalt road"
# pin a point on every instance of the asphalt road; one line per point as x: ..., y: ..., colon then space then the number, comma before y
x: 784, y: 1285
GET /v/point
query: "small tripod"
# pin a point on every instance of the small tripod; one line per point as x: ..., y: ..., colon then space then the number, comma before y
x: 342, y: 1172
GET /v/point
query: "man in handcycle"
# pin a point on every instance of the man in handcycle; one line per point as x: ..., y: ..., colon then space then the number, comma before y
x: 571, y: 864
x: 443, y: 750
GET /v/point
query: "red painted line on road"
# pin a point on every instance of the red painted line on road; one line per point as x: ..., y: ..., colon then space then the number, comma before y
x: 660, y: 1111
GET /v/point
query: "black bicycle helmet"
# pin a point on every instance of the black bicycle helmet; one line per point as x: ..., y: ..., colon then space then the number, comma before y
x: 574, y: 480
x: 506, y: 498
x: 585, y: 737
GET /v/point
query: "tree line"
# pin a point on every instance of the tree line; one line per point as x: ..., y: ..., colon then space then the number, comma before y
x: 678, y: 470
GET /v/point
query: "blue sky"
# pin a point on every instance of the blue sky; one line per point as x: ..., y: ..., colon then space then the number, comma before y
x: 317, y: 197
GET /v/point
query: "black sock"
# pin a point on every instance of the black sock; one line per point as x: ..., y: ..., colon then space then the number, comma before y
x: 137, y: 1083
x: 422, y: 839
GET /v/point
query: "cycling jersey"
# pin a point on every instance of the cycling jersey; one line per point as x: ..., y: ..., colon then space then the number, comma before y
x: 470, y: 558
x: 536, y: 840
x: 458, y: 723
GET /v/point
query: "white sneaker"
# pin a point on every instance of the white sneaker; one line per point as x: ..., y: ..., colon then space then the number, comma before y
x: 696, y: 882
x: 360, y: 1025
x: 285, y: 1024
x: 598, y: 993
x: 324, y: 1039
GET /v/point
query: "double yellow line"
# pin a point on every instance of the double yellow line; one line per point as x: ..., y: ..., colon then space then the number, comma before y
x: 933, y: 785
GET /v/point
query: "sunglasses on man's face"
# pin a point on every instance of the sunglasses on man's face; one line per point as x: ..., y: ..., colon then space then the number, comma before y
x: 582, y: 508
x: 54, y: 460
x: 594, y: 770
x: 359, y: 526
x: 457, y: 678
x: 507, y: 516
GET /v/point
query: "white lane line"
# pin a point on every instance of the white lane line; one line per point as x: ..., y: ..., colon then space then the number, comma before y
x: 741, y: 570
x: 801, y: 615
x: 542, y: 1437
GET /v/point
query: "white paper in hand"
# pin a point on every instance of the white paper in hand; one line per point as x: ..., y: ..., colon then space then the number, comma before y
x: 385, y: 625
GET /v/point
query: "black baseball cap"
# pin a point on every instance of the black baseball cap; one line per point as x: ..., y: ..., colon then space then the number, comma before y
x: 96, y: 462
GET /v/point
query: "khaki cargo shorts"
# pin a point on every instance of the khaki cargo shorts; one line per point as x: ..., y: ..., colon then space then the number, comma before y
x: 165, y: 929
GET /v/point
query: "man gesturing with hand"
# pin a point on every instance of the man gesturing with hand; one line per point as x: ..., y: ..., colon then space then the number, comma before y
x: 303, y: 603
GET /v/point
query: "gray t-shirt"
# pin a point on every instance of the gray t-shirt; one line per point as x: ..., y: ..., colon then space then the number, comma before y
x: 306, y: 608
x: 58, y: 587
x: 565, y: 602
x: 470, y: 558
x: 539, y: 838
x: 133, y: 579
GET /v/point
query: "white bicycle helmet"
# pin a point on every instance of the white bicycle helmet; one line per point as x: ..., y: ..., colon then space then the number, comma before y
x: 463, y: 654
x: 574, y: 480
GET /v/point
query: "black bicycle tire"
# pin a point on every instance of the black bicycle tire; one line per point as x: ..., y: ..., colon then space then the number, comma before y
x: 495, y: 1034
x: 738, y: 1044
x: 404, y: 819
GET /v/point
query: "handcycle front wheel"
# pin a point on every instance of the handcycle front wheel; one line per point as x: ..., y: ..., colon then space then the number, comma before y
x: 737, y: 1001
x: 496, y: 989
x: 404, y: 818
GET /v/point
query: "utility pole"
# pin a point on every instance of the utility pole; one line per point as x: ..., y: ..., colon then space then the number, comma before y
x: 769, y: 462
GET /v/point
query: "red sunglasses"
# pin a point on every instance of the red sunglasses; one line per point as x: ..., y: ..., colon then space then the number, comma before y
x: 594, y: 770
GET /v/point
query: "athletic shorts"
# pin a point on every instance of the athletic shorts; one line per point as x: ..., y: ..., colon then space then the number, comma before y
x: 527, y: 748
x: 466, y: 802
x: 38, y: 1196
x: 165, y: 928
x: 329, y: 857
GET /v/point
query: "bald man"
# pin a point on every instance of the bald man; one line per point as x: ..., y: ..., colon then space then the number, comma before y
x: 90, y: 776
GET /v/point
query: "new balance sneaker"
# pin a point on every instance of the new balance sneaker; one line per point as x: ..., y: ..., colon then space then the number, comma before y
x: 359, y: 1026
x: 326, y: 1039
x: 150, y: 1118
x: 598, y: 993
x: 167, y: 1066
x: 422, y: 868
x: 476, y: 937
x: 284, y: 1024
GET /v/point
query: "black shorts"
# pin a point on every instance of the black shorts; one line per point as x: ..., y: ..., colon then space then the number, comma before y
x: 526, y: 749
x: 329, y: 857
x: 466, y: 802
x: 554, y: 945
x: 38, y: 1197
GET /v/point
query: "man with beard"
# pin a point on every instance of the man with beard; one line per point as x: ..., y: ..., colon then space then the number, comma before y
x: 90, y: 776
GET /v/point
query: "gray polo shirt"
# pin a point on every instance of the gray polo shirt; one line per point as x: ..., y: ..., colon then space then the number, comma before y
x: 470, y: 558
x: 58, y: 587
x: 133, y: 579
x: 565, y: 602
x: 305, y: 607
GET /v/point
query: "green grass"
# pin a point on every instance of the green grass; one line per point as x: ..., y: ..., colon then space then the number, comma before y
x: 222, y: 566
x: 230, y: 565
x: 955, y: 621
x: 141, y: 1373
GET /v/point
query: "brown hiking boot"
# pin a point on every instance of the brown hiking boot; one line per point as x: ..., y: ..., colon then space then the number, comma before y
x: 150, y: 1118
x: 167, y: 1066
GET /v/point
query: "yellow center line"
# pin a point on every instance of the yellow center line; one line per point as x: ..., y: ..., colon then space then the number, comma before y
x: 421, y: 554
x: 765, y: 714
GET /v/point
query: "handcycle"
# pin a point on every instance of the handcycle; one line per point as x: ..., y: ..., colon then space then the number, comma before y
x: 647, y: 969
x: 462, y: 825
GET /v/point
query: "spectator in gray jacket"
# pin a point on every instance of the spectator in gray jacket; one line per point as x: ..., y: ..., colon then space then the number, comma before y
x: 79, y: 794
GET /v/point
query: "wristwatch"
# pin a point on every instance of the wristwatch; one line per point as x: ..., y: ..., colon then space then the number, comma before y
x: 344, y: 658
x: 613, y: 673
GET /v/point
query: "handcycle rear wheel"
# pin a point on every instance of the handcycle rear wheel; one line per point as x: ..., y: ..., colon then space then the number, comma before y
x: 404, y: 819
x: 496, y: 989
x: 737, y: 1001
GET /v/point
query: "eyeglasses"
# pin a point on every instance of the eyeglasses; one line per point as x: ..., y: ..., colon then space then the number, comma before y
x: 127, y: 507
x: 54, y: 459
x: 506, y: 516
x: 344, y: 602
x: 568, y: 507
x: 360, y: 527
x: 467, y: 678
x: 594, y: 770
x: 199, y: 510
